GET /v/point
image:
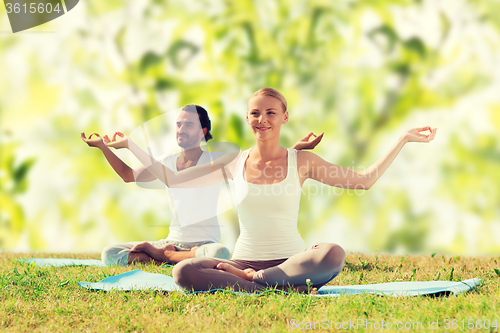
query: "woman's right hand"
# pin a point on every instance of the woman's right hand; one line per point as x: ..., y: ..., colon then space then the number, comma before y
x: 418, y: 134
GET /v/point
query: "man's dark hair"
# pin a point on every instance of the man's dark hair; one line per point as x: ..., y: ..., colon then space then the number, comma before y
x: 204, y: 119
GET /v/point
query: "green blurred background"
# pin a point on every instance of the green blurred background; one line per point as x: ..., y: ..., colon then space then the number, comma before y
x: 361, y: 71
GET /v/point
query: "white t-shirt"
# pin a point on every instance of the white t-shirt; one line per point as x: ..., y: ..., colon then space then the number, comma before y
x: 193, y: 210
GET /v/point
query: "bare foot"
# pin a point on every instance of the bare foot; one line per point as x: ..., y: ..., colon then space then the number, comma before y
x: 166, y: 251
x: 142, y: 247
x: 157, y: 253
x: 250, y: 273
x: 168, y: 247
x: 246, y: 274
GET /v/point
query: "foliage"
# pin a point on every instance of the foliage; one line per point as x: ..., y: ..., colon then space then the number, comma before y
x: 13, y: 182
x: 361, y: 71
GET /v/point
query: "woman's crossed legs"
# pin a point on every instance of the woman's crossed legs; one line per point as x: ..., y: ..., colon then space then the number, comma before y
x: 320, y: 264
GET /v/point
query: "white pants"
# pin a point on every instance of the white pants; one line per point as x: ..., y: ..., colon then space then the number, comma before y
x: 118, y: 254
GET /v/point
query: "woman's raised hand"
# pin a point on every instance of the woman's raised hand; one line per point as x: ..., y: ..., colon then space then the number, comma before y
x: 304, y: 143
x: 117, y: 144
x: 415, y: 135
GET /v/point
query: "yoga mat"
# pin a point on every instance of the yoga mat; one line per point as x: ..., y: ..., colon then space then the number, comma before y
x: 134, y: 280
x: 139, y: 280
x: 61, y: 262
x: 398, y: 289
x: 58, y: 262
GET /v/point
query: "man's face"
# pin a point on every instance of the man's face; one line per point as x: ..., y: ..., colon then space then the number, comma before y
x: 188, y: 130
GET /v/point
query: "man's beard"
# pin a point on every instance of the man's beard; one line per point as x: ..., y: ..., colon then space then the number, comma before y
x: 186, y: 142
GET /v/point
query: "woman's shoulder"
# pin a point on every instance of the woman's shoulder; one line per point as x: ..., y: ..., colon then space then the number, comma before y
x: 303, y: 155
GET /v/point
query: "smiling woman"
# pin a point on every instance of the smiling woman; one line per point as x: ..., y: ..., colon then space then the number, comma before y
x: 269, y: 250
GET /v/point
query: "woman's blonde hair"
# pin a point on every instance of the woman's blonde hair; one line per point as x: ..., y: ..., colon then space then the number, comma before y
x: 271, y: 92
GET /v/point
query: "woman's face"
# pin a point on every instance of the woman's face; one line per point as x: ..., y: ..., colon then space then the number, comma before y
x: 265, y: 116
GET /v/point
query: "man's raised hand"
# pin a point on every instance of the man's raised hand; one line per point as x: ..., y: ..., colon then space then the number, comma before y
x: 96, y: 142
x: 122, y: 142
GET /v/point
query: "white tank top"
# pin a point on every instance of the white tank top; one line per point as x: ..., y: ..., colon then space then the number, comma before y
x: 268, y: 214
x: 193, y: 210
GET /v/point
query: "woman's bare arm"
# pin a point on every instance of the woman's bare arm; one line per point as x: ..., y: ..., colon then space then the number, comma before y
x: 198, y: 176
x: 334, y: 175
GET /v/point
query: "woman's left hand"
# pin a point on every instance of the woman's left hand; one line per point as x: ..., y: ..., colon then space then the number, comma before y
x: 117, y: 144
x: 304, y: 143
x: 415, y: 135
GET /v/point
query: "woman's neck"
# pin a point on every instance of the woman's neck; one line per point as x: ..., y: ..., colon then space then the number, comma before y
x: 266, y: 150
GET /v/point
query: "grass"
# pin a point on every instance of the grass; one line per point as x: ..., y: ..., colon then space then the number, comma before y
x: 49, y: 299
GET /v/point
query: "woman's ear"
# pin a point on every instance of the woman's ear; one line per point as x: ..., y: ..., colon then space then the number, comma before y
x: 286, y: 117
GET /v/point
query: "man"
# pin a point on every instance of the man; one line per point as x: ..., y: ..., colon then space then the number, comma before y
x: 194, y: 229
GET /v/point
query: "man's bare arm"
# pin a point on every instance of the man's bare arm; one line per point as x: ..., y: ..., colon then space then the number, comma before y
x: 128, y: 174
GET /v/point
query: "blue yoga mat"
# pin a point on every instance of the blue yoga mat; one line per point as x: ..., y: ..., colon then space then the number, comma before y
x: 134, y: 280
x: 398, y: 289
x: 58, y: 262
x: 139, y: 280
x: 61, y: 262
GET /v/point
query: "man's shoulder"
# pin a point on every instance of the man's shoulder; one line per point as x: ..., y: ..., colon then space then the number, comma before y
x: 170, y: 160
x: 167, y: 156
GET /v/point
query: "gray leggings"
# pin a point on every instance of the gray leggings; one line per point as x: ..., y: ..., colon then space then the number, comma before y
x: 320, y: 263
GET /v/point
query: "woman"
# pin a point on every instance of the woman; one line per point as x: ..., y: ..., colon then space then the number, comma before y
x: 267, y: 182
